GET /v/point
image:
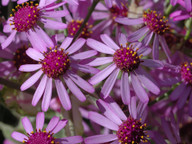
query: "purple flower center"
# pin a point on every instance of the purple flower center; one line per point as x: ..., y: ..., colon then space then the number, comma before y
x: 186, y: 73
x: 55, y: 63
x: 40, y: 138
x: 74, y: 26
x: 155, y: 22
x: 126, y: 59
x: 25, y: 17
x: 132, y: 131
x: 117, y: 12
x: 21, y: 58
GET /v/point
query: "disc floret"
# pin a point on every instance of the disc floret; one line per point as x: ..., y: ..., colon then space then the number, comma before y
x: 186, y: 73
x: 40, y: 137
x: 25, y: 17
x: 155, y: 22
x: 55, y: 63
x: 126, y: 59
x: 21, y: 58
x: 118, y: 12
x: 74, y: 26
x: 132, y: 131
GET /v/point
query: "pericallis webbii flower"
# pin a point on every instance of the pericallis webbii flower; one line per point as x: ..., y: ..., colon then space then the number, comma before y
x: 58, y: 63
x: 29, y: 18
x: 44, y: 136
x: 125, y: 58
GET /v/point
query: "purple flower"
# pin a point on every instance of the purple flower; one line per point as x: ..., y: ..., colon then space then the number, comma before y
x: 155, y: 24
x: 125, y: 129
x: 58, y: 64
x: 183, y: 14
x: 128, y: 60
x: 44, y: 136
x: 28, y: 17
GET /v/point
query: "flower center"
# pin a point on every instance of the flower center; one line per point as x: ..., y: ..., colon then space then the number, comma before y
x: 25, y: 17
x: 155, y: 22
x: 55, y: 63
x: 117, y: 12
x: 74, y: 26
x: 40, y: 138
x: 132, y: 131
x: 21, y: 58
x: 186, y: 73
x: 126, y: 59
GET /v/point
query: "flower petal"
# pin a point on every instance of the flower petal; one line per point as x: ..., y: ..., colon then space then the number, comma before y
x: 7, y: 42
x: 109, y: 42
x: 156, y: 48
x: 34, y: 54
x: 27, y: 125
x: 129, y: 21
x: 177, y: 92
x: 84, y: 55
x: 67, y: 41
x: 40, y: 121
x: 138, y: 34
x: 182, y: 100
x: 29, y: 67
x: 84, y: 68
x: 61, y: 124
x: 152, y: 63
x: 70, y: 140
x: 52, y: 123
x: 19, y: 136
x: 100, y: 61
x: 125, y: 90
x: 55, y: 25
x: 55, y: 14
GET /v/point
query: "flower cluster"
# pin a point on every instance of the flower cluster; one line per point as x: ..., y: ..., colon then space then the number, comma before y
x: 95, y: 71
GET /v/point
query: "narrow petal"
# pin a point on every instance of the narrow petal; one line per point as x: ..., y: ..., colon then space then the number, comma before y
x: 61, y: 124
x: 133, y: 108
x: 55, y: 25
x: 27, y: 125
x: 109, y: 42
x: 34, y: 54
x: 52, y: 123
x: 102, y: 74
x: 36, y: 41
x: 84, y: 55
x: 173, y: 2
x: 181, y: 17
x: 70, y: 140
x: 100, y: 61
x: 100, y: 139
x: 144, y: 51
x: 175, y: 13
x: 182, y: 100
x: 63, y: 95
x: 4, y: 2
x: 98, y: 15
x: 156, y: 47
x: 147, y: 38
x: 76, y: 46
x: 129, y: 21
x: 147, y: 81
x: 108, y: 3
x: 31, y: 81
x: 85, y: 68
x: 47, y: 95
x: 109, y: 83
x: 5, y: 54
x: 19, y: 136
x: 40, y: 121
x: 7, y: 42
x: 188, y: 5
x: 138, y: 34
x: 152, y: 63
x: 177, y: 92
x: 55, y: 14
x: 65, y: 44
x: 190, y: 104
x: 139, y: 90
x: 98, y: 46
x: 81, y: 82
x: 29, y: 67
x: 74, y: 89
x: 53, y: 6
x: 103, y: 121
x: 39, y: 91
x: 122, y: 40
x: 125, y: 90
x: 105, y: 109
x: 7, y: 28
x: 42, y: 3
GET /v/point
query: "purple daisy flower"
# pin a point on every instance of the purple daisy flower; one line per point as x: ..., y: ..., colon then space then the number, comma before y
x: 125, y: 129
x: 28, y: 17
x: 155, y: 24
x: 58, y: 64
x: 44, y: 136
x: 183, y: 14
x: 128, y: 60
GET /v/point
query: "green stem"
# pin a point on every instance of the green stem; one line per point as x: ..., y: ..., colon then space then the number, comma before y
x: 95, y: 2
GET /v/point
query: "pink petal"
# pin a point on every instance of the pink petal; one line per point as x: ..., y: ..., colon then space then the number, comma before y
x: 84, y: 55
x: 100, y: 61
x: 52, y: 123
x: 31, y: 81
x: 109, y: 83
x: 129, y: 21
x: 70, y: 140
x: 188, y: 5
x: 61, y: 124
x: 55, y: 25
x: 27, y: 125
x: 102, y: 74
x: 156, y: 47
x: 138, y: 34
x: 7, y: 42
x: 103, y: 121
x: 76, y: 46
x: 133, y: 108
x: 98, y: 15
x: 109, y: 42
x: 39, y: 91
x: 34, y: 54
x: 183, y: 99
x: 147, y: 38
x: 29, y: 67
x: 122, y: 40
x: 19, y: 136
x: 177, y: 92
x: 99, y: 46
x: 47, y: 95
x: 152, y: 63
x: 55, y: 14
x: 40, y: 121
x: 125, y: 90
x: 108, y: 3
x: 63, y: 95
x: 84, y: 68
